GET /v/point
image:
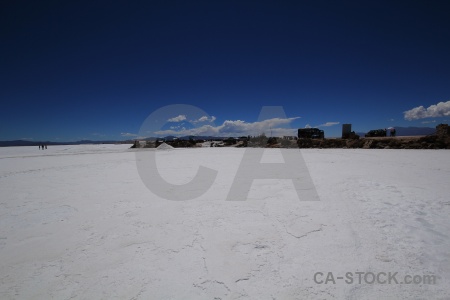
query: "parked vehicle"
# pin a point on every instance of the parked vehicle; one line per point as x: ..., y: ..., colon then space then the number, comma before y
x: 376, y: 133
x: 310, y: 133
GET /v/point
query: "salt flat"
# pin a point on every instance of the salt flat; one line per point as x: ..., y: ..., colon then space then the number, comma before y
x: 78, y: 222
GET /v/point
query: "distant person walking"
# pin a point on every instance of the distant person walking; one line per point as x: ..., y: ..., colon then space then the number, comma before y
x: 392, y: 132
x: 39, y: 147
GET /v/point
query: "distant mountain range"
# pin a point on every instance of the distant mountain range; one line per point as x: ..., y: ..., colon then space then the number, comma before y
x: 408, y: 131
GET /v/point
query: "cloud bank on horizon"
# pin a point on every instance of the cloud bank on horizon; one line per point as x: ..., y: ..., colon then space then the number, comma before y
x: 442, y: 109
x: 274, y: 126
x: 182, y: 125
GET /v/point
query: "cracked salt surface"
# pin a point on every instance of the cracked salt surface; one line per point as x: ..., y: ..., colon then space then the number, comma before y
x: 77, y: 222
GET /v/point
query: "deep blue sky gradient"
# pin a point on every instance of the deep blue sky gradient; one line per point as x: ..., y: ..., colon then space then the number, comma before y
x: 75, y: 70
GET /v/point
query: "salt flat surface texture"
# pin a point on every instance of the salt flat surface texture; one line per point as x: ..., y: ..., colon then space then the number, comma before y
x: 77, y: 222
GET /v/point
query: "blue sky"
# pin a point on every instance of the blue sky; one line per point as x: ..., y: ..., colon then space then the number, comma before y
x: 74, y: 70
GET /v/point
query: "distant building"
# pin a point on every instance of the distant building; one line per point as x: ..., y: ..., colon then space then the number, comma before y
x: 443, y: 130
x: 346, y: 130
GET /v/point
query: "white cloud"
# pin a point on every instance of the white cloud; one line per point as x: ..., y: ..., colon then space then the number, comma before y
x: 238, y: 128
x: 438, y: 110
x: 204, y: 119
x: 328, y: 124
x: 177, y: 119
x: 428, y: 122
x: 127, y: 134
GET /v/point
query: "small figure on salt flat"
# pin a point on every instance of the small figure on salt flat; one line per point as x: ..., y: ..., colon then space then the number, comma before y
x: 392, y: 131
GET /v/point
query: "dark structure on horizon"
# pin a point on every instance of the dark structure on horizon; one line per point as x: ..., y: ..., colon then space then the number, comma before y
x: 346, y: 130
x: 310, y: 133
x: 376, y: 133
